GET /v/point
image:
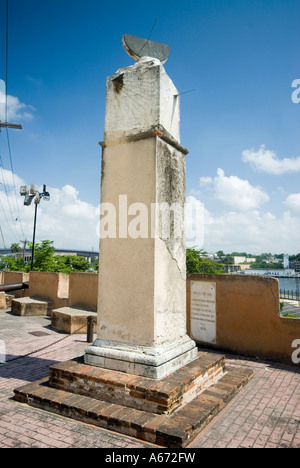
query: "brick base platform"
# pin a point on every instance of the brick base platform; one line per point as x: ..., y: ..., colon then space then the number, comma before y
x: 169, y: 412
x: 156, y: 396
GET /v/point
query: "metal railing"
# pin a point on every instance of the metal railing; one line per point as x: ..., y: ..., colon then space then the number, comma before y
x: 291, y: 295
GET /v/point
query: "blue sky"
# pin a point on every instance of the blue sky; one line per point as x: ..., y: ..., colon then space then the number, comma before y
x: 239, y: 123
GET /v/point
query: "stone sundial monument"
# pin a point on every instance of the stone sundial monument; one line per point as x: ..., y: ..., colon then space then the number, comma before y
x: 143, y: 376
x: 142, y: 277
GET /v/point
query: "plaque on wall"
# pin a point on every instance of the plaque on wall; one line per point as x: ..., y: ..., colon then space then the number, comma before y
x: 203, y: 311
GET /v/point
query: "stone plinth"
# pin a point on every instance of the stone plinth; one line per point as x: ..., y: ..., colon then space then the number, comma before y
x: 142, y: 279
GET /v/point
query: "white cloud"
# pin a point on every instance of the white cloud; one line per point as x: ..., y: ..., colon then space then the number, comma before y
x: 245, y: 224
x: 205, y: 181
x: 9, y: 180
x: 66, y: 219
x: 237, y: 193
x: 265, y: 160
x: 16, y: 110
x: 252, y: 231
x: 293, y: 201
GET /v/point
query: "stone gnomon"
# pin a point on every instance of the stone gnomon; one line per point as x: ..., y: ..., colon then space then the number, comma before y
x: 143, y: 375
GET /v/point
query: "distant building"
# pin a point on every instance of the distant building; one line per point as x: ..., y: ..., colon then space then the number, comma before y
x: 229, y: 268
x: 286, y: 261
x: 274, y: 273
x: 295, y: 266
x: 239, y: 260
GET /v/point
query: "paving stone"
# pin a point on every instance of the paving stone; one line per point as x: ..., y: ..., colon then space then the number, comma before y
x: 275, y: 389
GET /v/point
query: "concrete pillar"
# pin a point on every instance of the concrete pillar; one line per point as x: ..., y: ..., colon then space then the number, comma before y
x: 142, y: 273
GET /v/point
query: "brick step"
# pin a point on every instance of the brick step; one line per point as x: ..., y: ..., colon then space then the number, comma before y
x: 176, y: 430
x: 161, y: 397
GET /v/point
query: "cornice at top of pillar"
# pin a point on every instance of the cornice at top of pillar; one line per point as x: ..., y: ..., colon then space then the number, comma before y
x: 157, y: 131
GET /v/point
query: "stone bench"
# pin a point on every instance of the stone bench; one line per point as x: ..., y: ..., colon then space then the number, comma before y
x: 72, y: 319
x: 29, y: 306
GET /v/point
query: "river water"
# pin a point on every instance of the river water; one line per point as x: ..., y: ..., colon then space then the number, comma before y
x: 290, y: 284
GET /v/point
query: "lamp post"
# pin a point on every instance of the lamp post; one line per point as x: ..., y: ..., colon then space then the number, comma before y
x: 31, y: 193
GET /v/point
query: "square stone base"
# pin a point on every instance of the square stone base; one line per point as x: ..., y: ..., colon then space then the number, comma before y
x: 155, y: 363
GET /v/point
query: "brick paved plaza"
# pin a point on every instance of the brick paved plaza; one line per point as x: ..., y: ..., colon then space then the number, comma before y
x: 265, y: 414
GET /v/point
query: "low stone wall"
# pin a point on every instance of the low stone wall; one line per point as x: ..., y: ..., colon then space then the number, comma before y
x: 53, y: 287
x: 83, y: 290
x: 240, y: 314
x: 62, y: 290
x: 13, y: 277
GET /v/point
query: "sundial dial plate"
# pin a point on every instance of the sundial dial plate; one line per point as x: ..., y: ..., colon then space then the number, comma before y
x: 138, y: 48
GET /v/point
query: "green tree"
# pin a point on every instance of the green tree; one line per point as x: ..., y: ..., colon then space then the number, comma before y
x: 197, y: 262
x: 220, y: 253
x: 45, y: 260
x: 15, y: 248
x: 43, y: 256
x: 228, y: 260
x: 68, y: 263
x: 11, y: 264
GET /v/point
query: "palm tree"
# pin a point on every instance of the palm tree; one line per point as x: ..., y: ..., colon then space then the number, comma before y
x: 15, y: 248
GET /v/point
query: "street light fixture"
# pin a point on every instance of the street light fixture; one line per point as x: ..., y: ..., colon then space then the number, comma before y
x: 30, y: 193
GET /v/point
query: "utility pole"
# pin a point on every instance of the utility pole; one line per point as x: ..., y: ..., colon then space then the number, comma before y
x: 9, y: 125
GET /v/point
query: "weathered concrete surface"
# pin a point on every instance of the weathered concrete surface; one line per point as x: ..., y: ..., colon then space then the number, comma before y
x: 82, y: 303
x: 72, y: 320
x: 83, y: 290
x: 28, y: 306
x: 3, y: 304
x: 142, y: 278
x: 50, y: 286
x: 139, y: 97
x: 142, y: 285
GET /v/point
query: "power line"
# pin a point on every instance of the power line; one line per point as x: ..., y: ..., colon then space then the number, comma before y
x: 148, y: 39
x: 6, y: 125
x: 3, y: 238
x: 5, y: 184
x: 14, y: 184
x: 6, y: 60
x: 9, y: 226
